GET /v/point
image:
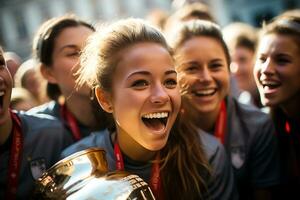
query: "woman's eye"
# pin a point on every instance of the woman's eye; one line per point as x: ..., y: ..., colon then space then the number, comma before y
x: 282, y: 61
x: 75, y: 53
x: 262, y: 59
x: 191, y: 69
x: 171, y: 83
x: 139, y: 84
x: 216, y: 65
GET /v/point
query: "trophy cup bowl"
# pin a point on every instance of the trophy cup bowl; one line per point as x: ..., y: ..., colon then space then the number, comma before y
x: 85, y: 175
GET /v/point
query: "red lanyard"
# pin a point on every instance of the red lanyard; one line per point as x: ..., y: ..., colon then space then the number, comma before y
x: 295, y: 163
x: 72, y: 123
x: 15, y: 158
x: 287, y: 127
x: 155, y: 183
x: 220, y: 127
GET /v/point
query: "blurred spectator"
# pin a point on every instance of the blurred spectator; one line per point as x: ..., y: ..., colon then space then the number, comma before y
x: 28, y: 76
x: 21, y: 99
x: 241, y: 40
x: 188, y: 12
x: 158, y: 18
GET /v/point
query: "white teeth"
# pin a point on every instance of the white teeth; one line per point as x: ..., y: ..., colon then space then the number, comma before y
x: 2, y: 93
x: 205, y: 92
x: 269, y: 83
x: 156, y: 115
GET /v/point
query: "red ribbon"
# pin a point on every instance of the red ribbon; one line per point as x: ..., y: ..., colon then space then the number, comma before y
x: 15, y: 158
x: 71, y: 121
x: 155, y: 182
x: 220, y: 128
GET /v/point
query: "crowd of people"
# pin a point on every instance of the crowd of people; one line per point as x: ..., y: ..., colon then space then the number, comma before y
x: 195, y: 110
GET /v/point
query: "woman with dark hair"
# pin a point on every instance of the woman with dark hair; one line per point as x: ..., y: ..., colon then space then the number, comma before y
x: 202, y: 62
x: 57, y: 46
x: 277, y: 74
x: 131, y: 68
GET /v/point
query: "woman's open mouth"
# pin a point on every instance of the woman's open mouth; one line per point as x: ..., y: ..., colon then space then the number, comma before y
x: 156, y: 121
x: 270, y: 86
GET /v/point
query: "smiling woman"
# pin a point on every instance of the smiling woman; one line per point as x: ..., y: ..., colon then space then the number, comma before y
x: 131, y: 68
x: 277, y: 72
x: 57, y: 46
x: 202, y: 61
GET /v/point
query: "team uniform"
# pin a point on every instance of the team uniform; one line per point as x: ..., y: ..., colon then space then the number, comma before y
x: 54, y: 109
x: 223, y: 186
x: 250, y: 143
x: 288, y: 134
x: 42, y: 138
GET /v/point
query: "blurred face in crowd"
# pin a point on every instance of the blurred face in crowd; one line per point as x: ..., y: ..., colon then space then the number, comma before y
x: 6, y: 84
x: 145, y: 99
x: 203, y: 73
x: 32, y: 82
x: 67, y: 47
x: 241, y: 66
x: 277, y: 70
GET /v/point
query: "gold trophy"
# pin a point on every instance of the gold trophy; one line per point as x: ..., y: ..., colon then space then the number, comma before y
x: 84, y: 176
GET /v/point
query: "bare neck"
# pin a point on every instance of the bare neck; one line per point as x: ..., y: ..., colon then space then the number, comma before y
x: 81, y: 108
x: 134, y: 150
x: 5, y: 129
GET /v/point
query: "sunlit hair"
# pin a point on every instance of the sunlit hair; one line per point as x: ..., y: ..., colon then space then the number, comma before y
x: 195, y: 28
x: 183, y: 164
x: 286, y: 24
x: 44, y: 42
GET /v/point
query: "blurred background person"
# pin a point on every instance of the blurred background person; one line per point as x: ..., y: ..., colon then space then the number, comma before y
x: 22, y: 99
x: 158, y: 18
x: 190, y: 11
x: 28, y: 76
x: 241, y: 40
x: 13, y: 62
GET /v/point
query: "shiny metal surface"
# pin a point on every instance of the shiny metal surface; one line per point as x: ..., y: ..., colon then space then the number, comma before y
x: 84, y: 175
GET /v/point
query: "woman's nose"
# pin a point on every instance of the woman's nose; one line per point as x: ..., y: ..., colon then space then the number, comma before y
x: 267, y: 67
x: 159, y: 95
x: 204, y: 75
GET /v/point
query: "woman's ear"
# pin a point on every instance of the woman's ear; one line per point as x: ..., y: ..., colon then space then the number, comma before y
x: 47, y: 73
x: 103, y: 99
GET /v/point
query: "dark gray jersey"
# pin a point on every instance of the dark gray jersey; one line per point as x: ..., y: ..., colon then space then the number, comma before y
x: 44, y: 139
x: 251, y: 145
x: 53, y: 108
x: 221, y: 187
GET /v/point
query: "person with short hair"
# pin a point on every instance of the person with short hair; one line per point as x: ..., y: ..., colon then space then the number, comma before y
x: 241, y: 40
